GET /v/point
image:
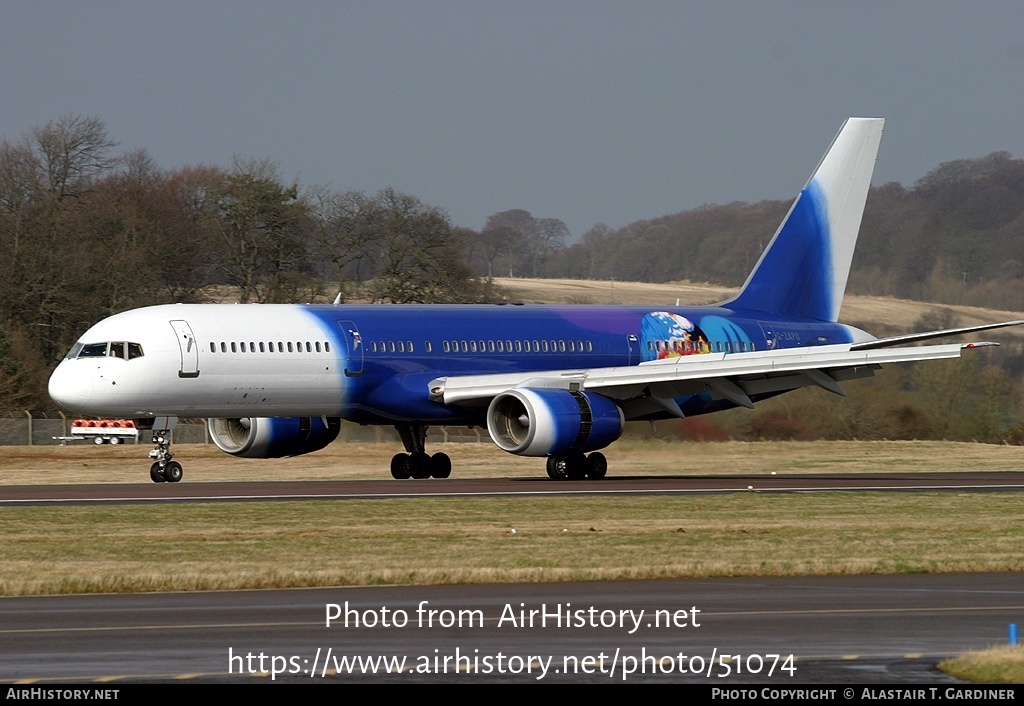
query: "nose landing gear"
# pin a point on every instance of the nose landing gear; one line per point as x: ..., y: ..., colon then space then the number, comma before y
x: 164, y: 470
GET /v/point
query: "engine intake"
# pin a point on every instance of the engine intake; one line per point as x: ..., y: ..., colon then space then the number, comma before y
x: 548, y: 422
x: 273, y: 437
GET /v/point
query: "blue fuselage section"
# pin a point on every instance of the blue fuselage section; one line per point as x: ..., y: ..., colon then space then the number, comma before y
x: 393, y: 352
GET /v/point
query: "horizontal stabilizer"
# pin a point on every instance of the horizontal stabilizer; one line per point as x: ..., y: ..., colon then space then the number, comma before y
x: 927, y: 336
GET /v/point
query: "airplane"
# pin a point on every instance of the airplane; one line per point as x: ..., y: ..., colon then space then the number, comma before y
x: 555, y: 382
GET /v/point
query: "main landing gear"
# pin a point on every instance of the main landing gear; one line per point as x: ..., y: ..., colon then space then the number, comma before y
x: 417, y: 463
x: 577, y: 466
x: 164, y: 469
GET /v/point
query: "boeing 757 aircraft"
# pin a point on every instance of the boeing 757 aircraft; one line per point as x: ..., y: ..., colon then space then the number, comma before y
x: 556, y: 382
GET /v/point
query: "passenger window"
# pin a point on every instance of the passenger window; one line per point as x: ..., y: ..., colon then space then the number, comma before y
x: 234, y: 347
x: 290, y: 347
x: 213, y: 347
x: 327, y: 346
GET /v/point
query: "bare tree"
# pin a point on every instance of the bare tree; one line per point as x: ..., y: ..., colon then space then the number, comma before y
x: 418, y: 253
x: 345, y: 232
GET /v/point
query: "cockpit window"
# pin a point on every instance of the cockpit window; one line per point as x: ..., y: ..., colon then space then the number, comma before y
x: 115, y: 349
x: 73, y: 353
x: 93, y: 350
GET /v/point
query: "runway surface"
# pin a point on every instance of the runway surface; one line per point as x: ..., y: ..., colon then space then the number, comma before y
x: 145, y: 491
x: 780, y: 631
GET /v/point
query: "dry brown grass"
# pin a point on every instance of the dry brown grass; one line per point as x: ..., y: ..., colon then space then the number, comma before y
x: 196, y: 546
x: 88, y: 463
x: 898, y: 313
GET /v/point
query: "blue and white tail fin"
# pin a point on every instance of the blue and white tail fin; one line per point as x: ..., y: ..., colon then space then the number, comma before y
x: 803, y: 271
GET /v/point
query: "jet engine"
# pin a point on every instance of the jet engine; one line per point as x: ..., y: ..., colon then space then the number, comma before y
x: 273, y: 437
x: 549, y: 422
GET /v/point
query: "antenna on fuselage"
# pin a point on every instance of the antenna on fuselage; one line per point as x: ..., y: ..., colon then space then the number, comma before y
x: 337, y: 299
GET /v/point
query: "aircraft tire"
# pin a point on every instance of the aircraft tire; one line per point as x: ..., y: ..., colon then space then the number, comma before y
x: 597, y: 466
x: 419, y: 465
x: 576, y: 466
x: 440, y: 465
x: 173, y: 472
x: 400, y: 466
x: 155, y: 474
x: 556, y: 467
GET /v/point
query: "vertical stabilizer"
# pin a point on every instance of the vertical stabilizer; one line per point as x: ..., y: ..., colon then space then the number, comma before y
x: 803, y: 271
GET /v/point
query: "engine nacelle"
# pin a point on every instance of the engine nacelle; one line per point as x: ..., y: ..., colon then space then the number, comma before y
x: 549, y: 422
x: 273, y: 437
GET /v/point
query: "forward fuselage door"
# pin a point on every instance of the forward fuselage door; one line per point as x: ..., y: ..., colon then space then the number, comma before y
x: 189, y: 349
x: 633, y: 341
x: 354, y: 342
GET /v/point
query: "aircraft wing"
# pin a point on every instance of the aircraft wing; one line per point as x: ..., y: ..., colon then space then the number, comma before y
x: 652, y: 387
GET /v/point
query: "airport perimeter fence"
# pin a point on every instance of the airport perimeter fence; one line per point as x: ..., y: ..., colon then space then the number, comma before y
x: 39, y: 430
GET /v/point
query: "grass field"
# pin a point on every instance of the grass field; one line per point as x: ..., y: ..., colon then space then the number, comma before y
x: 128, y: 548
x: 897, y: 313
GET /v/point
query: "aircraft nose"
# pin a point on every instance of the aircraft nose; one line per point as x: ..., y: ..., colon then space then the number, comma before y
x: 71, y: 386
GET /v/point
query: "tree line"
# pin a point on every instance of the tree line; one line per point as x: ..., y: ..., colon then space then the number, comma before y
x: 86, y: 232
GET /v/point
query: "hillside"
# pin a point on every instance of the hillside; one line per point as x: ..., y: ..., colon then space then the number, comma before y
x: 895, y: 315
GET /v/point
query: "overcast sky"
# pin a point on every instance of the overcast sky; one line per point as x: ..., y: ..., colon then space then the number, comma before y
x: 591, y: 112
